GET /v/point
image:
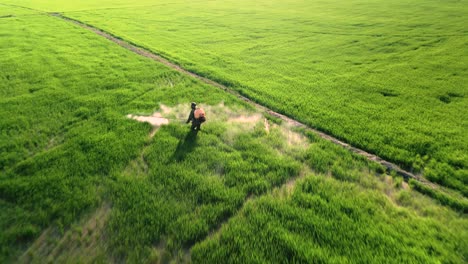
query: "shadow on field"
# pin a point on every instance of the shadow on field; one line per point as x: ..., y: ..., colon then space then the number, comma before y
x: 185, y: 146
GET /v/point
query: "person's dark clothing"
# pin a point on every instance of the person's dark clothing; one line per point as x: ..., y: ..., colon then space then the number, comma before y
x: 191, y: 116
x: 196, y: 125
x: 195, y: 122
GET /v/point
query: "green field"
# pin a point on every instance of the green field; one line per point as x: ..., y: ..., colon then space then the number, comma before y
x: 81, y: 182
x: 386, y: 77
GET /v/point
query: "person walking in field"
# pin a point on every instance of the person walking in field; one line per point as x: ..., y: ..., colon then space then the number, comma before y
x: 197, y: 117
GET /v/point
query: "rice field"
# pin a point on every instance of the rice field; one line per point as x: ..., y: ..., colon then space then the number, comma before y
x: 80, y: 181
x: 386, y: 77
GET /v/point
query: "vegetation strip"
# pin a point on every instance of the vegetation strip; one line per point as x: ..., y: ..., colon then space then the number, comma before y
x: 143, y: 52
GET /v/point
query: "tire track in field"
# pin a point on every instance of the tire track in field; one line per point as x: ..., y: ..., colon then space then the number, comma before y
x: 149, y: 54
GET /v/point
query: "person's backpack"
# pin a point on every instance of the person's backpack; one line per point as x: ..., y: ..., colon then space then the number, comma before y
x: 200, y: 115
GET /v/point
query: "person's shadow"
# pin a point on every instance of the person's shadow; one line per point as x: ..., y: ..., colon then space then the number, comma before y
x: 185, y: 146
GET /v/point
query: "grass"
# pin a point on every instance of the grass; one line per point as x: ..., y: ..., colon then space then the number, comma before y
x: 385, y: 77
x: 326, y: 221
x: 64, y: 135
x: 193, y: 184
x: 54, y: 6
x: 69, y: 155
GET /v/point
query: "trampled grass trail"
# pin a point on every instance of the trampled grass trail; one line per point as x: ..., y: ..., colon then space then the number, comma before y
x: 149, y: 54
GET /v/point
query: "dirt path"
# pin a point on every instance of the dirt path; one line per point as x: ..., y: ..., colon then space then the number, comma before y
x: 389, y: 165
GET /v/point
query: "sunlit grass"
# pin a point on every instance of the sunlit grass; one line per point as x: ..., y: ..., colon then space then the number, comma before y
x: 386, y: 77
x: 68, y: 153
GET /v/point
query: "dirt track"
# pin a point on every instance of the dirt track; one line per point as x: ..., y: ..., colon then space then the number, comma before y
x: 143, y: 52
